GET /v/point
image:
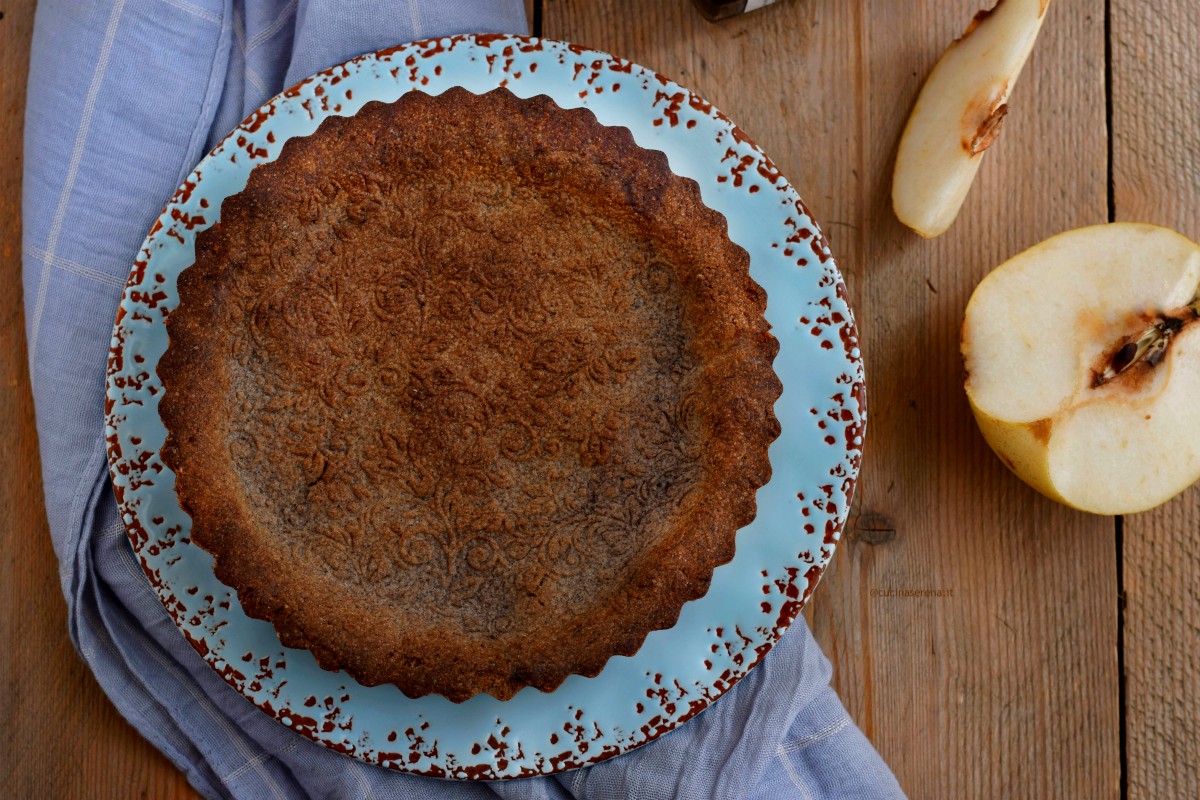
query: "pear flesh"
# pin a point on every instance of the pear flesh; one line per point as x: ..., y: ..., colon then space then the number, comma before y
x: 1083, y: 366
x: 959, y: 113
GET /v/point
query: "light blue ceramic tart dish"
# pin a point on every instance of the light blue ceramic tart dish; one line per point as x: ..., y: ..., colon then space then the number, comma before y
x: 718, y: 638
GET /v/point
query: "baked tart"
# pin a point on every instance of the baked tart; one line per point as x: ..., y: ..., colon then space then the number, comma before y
x: 468, y: 393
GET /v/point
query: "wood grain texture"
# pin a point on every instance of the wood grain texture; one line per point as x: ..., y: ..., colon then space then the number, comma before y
x: 1156, y: 178
x: 63, y: 738
x: 1009, y: 688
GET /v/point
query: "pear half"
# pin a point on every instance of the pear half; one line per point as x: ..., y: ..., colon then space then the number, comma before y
x: 958, y: 114
x: 1083, y: 366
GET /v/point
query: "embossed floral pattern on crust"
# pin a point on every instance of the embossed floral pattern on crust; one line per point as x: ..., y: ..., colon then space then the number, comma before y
x: 475, y: 393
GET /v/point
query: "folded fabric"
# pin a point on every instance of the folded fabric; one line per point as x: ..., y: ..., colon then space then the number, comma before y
x: 125, y: 96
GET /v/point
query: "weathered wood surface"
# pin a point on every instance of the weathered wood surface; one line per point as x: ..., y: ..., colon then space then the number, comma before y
x: 1010, y: 686
x: 1156, y: 178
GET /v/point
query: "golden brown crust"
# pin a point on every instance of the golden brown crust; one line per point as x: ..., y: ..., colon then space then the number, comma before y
x: 468, y: 393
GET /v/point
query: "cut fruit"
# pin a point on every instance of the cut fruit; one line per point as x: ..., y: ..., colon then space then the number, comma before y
x: 958, y: 114
x: 1083, y: 366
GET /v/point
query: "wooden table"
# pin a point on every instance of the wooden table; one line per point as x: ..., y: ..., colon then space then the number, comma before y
x: 1065, y: 663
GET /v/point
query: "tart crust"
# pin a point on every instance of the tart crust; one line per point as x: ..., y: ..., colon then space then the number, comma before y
x: 468, y: 393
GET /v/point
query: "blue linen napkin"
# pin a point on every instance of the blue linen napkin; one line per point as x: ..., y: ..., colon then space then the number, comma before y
x: 125, y: 96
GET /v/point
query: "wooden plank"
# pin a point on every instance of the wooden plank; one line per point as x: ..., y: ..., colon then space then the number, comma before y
x: 530, y: 14
x: 1156, y: 178
x: 63, y: 738
x: 1009, y: 688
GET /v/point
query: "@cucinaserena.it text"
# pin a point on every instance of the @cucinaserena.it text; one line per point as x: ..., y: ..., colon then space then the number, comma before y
x: 906, y: 593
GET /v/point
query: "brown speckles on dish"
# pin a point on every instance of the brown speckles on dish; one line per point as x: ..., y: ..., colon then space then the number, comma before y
x: 341, y: 720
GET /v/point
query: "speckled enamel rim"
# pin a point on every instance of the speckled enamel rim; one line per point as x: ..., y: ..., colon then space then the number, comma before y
x: 678, y: 672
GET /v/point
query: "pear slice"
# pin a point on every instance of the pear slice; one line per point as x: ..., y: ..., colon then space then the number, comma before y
x: 958, y: 114
x: 1083, y: 365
